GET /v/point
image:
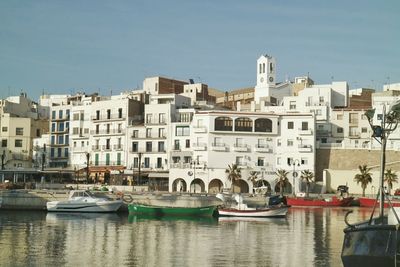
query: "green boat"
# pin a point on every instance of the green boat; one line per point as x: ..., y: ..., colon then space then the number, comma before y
x: 174, y: 211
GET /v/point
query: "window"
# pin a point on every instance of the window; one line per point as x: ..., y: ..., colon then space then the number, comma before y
x: 61, y: 127
x: 108, y: 128
x: 187, y: 143
x: 118, y: 158
x: 96, y: 159
x: 292, y: 105
x: 339, y: 130
x: 135, y: 134
x: 136, y: 162
x: 379, y: 117
x: 59, y: 152
x: 4, y: 129
x: 66, y: 152
x: 19, y: 131
x: 60, y: 140
x: 53, y: 139
x: 53, y: 127
x: 353, y: 131
x: 161, y: 118
x: 75, y: 130
x: 176, y: 159
x: 148, y: 132
x: 290, y: 125
x: 339, y: 117
x: 97, y: 114
x: 289, y: 142
x: 321, y: 99
x: 120, y: 113
x: 37, y: 132
x: 223, y: 124
x: 176, y: 145
x: 278, y: 142
x: 108, y: 159
x: 161, y: 146
x: 147, y: 162
x: 260, y: 162
x: 75, y: 116
x: 304, y: 161
x: 353, y: 118
x: 108, y: 146
x: 304, y: 125
x: 159, y: 163
x: 182, y: 131
x: 108, y: 114
x: 263, y: 125
x: 149, y: 146
x: 239, y: 161
x: 364, y: 129
x: 97, y: 129
x: 53, y: 115
x: 74, y: 143
x: 243, y: 125
x: 148, y: 118
x: 60, y: 115
x: 289, y: 161
x: 4, y: 143
x: 82, y: 116
x: 161, y: 132
x: 135, y: 146
x: 52, y: 152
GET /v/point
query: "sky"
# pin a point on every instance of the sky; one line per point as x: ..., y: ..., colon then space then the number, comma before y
x: 65, y: 47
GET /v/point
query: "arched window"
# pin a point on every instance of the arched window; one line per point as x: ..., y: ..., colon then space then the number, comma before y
x: 223, y: 124
x: 243, y: 125
x: 260, y: 68
x: 263, y: 68
x: 263, y: 125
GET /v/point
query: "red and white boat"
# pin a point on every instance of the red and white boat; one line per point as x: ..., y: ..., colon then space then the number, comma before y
x: 319, y: 202
x: 370, y: 202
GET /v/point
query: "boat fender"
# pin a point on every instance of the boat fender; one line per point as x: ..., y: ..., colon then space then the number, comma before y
x: 127, y: 198
x: 345, y: 219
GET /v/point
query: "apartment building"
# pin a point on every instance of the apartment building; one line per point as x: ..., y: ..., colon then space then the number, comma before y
x: 254, y: 141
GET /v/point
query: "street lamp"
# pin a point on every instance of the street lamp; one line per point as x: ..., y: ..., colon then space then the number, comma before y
x: 295, y: 174
x: 87, y: 166
x: 389, y: 123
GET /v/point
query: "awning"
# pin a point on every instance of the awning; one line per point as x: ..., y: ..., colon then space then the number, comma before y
x: 159, y: 175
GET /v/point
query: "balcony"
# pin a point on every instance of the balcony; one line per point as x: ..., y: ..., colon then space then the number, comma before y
x: 323, y: 133
x: 199, y: 146
x: 106, y: 148
x: 104, y: 117
x: 354, y: 135
x: 108, y: 132
x: 218, y: 147
x: 95, y: 148
x: 118, y: 147
x: 240, y: 147
x: 305, y: 131
x: 199, y: 129
x: 262, y: 148
x: 305, y: 148
x: 106, y: 163
x: 63, y: 118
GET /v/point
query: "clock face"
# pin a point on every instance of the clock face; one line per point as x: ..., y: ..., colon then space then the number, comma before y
x: 261, y: 80
x: 271, y: 79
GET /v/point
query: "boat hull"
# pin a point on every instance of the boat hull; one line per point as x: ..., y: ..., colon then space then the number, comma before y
x: 371, y: 245
x: 170, y: 211
x: 370, y: 202
x: 73, y: 206
x: 315, y: 202
x: 261, y: 213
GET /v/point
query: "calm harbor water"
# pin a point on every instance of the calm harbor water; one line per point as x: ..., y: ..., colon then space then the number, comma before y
x: 307, y: 237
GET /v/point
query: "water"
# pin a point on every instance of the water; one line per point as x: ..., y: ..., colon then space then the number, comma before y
x: 307, y: 237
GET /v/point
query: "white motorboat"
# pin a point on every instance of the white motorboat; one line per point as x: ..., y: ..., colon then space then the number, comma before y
x: 85, y: 201
x: 241, y: 209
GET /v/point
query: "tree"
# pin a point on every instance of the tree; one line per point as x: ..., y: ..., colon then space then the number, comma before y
x: 308, y: 177
x: 364, y: 177
x: 253, y: 177
x: 390, y: 178
x: 282, y: 179
x: 234, y: 174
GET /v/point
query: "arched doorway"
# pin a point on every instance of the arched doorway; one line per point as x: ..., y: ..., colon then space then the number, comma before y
x: 197, y: 186
x: 240, y: 186
x: 179, y: 185
x: 215, y: 186
x: 286, y: 190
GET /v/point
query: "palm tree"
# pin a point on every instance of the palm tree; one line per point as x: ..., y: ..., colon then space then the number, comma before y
x: 234, y: 174
x: 253, y: 177
x: 390, y: 178
x: 282, y: 179
x: 364, y: 177
x: 308, y: 177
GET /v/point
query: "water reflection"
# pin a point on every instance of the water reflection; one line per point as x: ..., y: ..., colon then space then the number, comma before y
x: 307, y: 237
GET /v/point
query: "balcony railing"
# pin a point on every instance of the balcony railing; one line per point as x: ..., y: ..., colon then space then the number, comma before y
x: 263, y: 148
x: 305, y: 148
x: 305, y: 131
x: 241, y: 147
x: 104, y: 117
x: 199, y: 129
x: 107, y: 163
x: 199, y: 146
x: 218, y: 146
x: 106, y: 132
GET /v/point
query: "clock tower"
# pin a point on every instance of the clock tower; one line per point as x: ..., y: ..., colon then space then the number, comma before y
x: 266, y: 71
x: 266, y: 75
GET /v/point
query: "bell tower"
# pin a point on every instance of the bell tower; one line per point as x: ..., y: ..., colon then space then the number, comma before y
x: 266, y: 75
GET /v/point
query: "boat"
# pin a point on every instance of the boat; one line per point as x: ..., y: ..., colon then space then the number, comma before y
x: 153, y: 210
x: 376, y: 242
x: 240, y: 209
x: 320, y: 202
x: 85, y: 201
x: 371, y: 202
